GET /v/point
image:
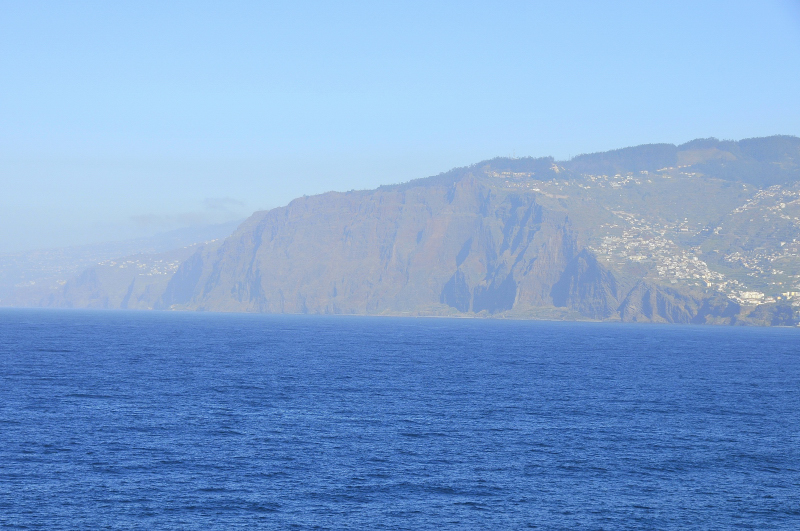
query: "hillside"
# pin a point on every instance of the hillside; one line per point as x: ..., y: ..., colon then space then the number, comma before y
x: 705, y: 232
x: 26, y: 277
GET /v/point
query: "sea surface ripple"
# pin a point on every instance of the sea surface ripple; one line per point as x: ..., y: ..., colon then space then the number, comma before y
x: 164, y: 420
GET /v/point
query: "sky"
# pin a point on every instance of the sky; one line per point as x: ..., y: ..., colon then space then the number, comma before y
x: 124, y: 119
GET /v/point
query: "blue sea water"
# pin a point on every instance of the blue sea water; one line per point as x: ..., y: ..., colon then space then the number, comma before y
x: 126, y: 420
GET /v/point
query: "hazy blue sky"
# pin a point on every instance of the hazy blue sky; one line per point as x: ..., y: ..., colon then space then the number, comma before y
x: 126, y: 118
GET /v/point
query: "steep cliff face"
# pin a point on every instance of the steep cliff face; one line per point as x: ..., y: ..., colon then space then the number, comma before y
x: 136, y: 282
x: 437, y: 247
x: 651, y: 303
x: 429, y: 249
x: 626, y: 235
x: 587, y: 287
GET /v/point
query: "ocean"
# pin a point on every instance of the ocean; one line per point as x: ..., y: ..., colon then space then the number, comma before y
x: 166, y: 420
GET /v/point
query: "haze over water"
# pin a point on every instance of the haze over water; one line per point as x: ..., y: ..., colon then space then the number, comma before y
x: 134, y: 420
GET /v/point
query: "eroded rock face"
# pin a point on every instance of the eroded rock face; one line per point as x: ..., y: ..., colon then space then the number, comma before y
x: 393, y: 250
x: 623, y: 235
x: 587, y: 287
x: 424, y: 249
x: 434, y: 248
x: 651, y: 303
x: 780, y: 314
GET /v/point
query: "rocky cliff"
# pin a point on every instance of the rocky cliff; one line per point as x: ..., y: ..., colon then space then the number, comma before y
x: 435, y: 249
x: 526, y: 238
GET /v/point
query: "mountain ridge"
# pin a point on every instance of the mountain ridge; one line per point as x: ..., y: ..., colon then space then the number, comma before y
x: 518, y: 238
